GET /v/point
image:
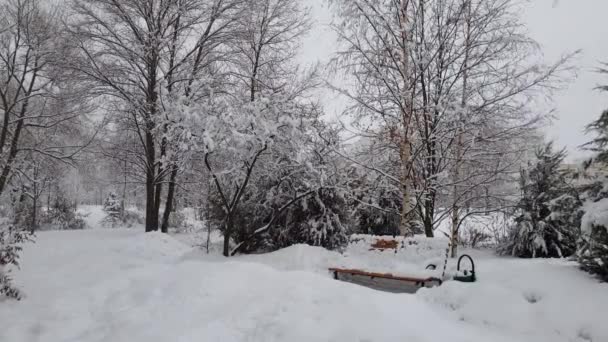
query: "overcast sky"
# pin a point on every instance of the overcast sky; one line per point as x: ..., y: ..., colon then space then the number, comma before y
x: 560, y: 28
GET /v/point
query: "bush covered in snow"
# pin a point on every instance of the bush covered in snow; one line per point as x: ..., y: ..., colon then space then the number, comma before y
x: 22, y: 213
x: 379, y: 214
x: 112, y: 205
x: 117, y: 216
x: 317, y: 220
x: 11, y: 240
x: 62, y: 215
x: 320, y: 219
x: 127, y: 219
x: 593, y: 252
x: 549, y: 212
x: 178, y: 221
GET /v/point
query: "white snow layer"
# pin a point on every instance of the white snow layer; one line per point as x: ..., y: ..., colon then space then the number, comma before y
x: 596, y: 214
x: 124, y: 285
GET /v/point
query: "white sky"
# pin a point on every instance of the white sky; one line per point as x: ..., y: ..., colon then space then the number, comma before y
x: 560, y: 27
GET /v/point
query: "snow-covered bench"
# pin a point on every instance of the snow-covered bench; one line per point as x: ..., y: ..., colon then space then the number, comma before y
x: 384, y: 281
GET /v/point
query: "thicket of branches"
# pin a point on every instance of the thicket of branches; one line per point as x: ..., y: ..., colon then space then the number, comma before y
x: 441, y: 90
x: 170, y: 104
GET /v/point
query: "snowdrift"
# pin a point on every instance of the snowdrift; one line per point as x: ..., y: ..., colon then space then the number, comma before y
x: 124, y: 285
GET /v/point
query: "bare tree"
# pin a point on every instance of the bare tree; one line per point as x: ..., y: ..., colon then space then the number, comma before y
x: 143, y: 53
x: 377, y: 50
x: 38, y: 100
x: 461, y: 99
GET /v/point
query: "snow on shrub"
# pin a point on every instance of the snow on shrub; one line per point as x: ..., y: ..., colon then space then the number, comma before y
x: 11, y: 241
x: 62, y: 215
x: 117, y: 216
x: 371, y: 219
x: 549, y: 212
x: 596, y: 215
x: 112, y: 205
x: 318, y: 220
x: 593, y: 252
x: 593, y: 257
x: 178, y: 220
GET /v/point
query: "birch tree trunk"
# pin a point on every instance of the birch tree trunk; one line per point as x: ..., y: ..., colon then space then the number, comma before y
x: 405, y: 153
x: 458, y: 153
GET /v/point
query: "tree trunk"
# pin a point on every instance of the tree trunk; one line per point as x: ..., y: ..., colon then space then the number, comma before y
x: 459, y: 139
x: 158, y: 188
x: 429, y: 214
x: 406, y: 207
x: 48, y: 198
x: 34, y: 207
x: 123, y: 202
x: 151, y: 208
x: 227, y: 235
x: 8, y: 167
x: 169, y: 204
x: 454, y: 234
x: 405, y: 227
x: 151, y: 221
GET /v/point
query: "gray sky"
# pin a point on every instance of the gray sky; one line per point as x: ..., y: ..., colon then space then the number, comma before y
x: 567, y: 26
x: 559, y: 28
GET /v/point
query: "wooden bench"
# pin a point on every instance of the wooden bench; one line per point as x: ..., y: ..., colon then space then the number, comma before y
x: 384, y: 281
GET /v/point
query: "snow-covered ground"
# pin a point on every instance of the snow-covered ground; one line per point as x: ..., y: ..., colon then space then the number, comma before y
x: 124, y: 285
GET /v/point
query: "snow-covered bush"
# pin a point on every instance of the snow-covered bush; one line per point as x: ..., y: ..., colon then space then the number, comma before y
x: 593, y: 249
x: 117, y: 216
x: 177, y: 219
x: 20, y: 211
x: 62, y: 215
x: 112, y: 205
x: 379, y: 214
x: 11, y: 241
x: 127, y: 219
x: 321, y: 219
x: 475, y: 237
x: 253, y: 212
x: 549, y: 212
x: 593, y: 254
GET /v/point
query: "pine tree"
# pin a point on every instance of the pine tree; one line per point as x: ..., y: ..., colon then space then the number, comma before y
x: 114, y: 210
x: 549, y: 210
x: 593, y: 249
x: 63, y: 215
x: 593, y: 257
x: 112, y: 205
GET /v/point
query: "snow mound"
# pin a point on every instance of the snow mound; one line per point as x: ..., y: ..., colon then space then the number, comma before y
x: 158, y: 243
x: 357, y: 256
x: 537, y: 300
x: 99, y: 289
x: 125, y: 285
x: 298, y: 257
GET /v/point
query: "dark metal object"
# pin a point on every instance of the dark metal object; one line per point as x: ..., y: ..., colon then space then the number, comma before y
x: 468, y: 275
